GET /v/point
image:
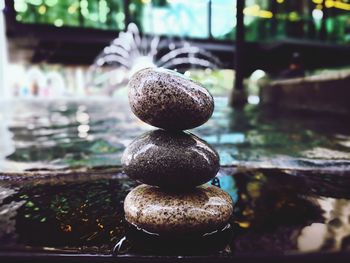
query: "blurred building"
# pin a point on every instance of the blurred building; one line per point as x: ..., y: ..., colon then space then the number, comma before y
x: 264, y: 19
x: 73, y: 32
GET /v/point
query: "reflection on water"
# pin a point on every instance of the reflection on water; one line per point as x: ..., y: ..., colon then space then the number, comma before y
x: 6, y: 142
x: 289, y: 179
x: 71, y: 134
x: 95, y: 132
x: 276, y: 211
x: 334, y: 234
x: 74, y: 214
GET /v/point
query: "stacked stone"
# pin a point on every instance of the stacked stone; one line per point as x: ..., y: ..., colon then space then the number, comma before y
x: 173, y: 165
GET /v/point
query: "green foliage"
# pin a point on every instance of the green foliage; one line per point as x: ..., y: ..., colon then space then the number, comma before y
x: 264, y: 20
x: 99, y: 14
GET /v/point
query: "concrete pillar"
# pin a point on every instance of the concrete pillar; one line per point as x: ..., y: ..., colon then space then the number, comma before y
x: 238, y: 96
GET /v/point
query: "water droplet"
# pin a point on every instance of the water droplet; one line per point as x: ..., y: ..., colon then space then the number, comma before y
x: 118, y: 247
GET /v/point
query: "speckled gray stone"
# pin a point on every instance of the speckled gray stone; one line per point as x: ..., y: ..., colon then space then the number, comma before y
x: 176, y: 160
x: 205, y: 209
x: 169, y: 100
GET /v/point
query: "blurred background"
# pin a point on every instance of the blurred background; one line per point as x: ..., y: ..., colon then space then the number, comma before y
x: 65, y: 66
x: 66, y: 48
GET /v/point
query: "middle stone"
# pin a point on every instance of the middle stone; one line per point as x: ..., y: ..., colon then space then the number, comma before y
x: 173, y: 160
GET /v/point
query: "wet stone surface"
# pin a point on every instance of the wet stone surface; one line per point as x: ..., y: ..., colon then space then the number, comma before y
x: 169, y: 100
x: 200, y: 211
x: 77, y: 213
x: 175, y: 160
x: 276, y: 211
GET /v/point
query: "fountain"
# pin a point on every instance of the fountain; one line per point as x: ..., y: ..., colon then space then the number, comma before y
x: 130, y: 52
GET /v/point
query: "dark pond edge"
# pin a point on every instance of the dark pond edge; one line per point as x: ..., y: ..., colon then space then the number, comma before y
x: 116, y: 172
x: 326, y: 257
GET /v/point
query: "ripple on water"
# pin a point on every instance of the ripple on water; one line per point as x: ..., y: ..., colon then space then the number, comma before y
x: 290, y: 181
x: 95, y: 132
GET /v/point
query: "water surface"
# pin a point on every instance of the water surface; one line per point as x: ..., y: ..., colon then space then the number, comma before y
x: 93, y: 133
x: 62, y: 189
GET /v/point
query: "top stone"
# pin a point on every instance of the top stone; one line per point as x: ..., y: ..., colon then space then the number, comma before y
x: 169, y: 100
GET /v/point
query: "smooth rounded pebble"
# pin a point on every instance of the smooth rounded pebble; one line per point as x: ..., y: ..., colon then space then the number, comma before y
x: 169, y: 100
x: 205, y: 209
x: 176, y: 160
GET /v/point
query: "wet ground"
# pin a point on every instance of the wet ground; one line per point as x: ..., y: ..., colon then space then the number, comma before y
x: 62, y: 190
x: 277, y: 212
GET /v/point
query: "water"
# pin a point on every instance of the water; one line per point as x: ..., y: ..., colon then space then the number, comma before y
x: 76, y: 214
x: 62, y: 189
x: 94, y: 133
x: 275, y: 211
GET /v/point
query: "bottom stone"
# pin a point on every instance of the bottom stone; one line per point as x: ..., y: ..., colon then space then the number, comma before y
x: 200, y: 211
